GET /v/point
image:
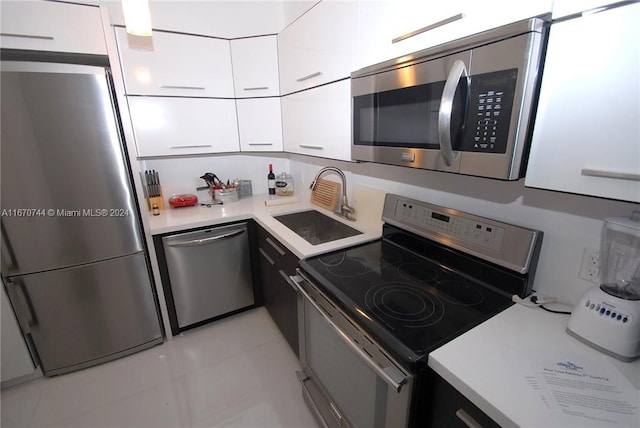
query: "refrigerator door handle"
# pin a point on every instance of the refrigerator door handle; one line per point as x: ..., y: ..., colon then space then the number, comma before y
x: 21, y: 304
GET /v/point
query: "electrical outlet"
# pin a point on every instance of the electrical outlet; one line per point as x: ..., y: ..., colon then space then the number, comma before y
x: 590, y: 266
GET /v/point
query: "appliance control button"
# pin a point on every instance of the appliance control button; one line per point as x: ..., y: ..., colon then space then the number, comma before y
x: 602, y: 310
x: 619, y: 317
x: 608, y: 312
x: 625, y: 319
x: 613, y: 314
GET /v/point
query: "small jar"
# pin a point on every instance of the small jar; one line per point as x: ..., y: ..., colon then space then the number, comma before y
x: 284, y: 184
x: 155, y: 210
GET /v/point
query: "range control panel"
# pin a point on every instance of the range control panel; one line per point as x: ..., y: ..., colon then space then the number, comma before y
x: 454, y: 225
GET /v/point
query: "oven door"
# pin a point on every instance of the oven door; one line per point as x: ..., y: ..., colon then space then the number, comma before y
x: 347, y: 380
x: 414, y: 115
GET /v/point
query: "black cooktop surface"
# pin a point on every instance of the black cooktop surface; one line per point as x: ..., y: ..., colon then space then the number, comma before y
x: 408, y: 302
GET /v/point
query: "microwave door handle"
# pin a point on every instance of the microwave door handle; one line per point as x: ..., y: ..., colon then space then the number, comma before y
x: 446, y: 107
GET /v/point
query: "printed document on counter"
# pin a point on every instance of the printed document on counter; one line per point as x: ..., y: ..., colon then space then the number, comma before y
x: 577, y: 391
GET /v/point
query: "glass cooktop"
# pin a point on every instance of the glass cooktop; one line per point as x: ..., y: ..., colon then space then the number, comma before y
x: 407, y: 302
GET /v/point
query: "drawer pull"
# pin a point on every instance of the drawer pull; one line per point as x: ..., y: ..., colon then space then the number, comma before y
x: 195, y: 88
x: 261, y: 144
x: 26, y: 36
x: 264, y: 254
x: 428, y: 28
x: 611, y: 174
x: 192, y: 146
x: 275, y: 246
x: 256, y: 88
x: 288, y: 280
x: 310, y: 76
x: 311, y: 146
x: 466, y: 419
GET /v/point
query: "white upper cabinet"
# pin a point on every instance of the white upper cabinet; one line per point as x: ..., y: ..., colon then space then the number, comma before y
x: 175, y: 65
x: 51, y: 26
x: 586, y: 138
x: 260, y: 124
x: 166, y: 126
x: 317, y: 121
x: 255, y: 67
x: 320, y: 47
x: 393, y: 28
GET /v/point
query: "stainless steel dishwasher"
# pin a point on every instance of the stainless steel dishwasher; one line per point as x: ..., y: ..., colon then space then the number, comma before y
x: 209, y: 271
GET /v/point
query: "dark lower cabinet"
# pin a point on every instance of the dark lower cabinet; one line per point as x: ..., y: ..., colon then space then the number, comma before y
x: 276, y: 263
x: 451, y: 409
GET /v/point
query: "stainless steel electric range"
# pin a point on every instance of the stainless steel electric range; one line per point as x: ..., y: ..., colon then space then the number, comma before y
x: 369, y: 315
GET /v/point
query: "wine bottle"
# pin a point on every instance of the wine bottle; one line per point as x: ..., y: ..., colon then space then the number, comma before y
x: 271, y: 180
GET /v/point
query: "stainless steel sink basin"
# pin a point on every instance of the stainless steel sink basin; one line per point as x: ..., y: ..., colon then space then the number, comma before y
x: 315, y: 227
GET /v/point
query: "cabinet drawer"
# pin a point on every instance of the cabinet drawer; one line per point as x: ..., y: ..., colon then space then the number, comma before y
x: 179, y: 126
x: 52, y: 26
x: 172, y: 64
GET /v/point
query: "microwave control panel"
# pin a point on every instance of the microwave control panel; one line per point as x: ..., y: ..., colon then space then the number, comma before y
x: 490, y: 106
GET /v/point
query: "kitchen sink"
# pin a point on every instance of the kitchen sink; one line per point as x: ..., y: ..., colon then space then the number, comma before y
x: 315, y: 227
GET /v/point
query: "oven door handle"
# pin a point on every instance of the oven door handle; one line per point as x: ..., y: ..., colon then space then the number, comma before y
x: 446, y: 108
x: 394, y: 377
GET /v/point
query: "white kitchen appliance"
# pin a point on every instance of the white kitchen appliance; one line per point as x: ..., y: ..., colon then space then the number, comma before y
x: 608, y: 317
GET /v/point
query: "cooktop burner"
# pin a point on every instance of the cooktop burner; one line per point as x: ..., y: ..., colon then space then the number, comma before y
x: 408, y: 301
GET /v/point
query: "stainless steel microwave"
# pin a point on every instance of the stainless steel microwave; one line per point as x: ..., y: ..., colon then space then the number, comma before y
x: 462, y: 107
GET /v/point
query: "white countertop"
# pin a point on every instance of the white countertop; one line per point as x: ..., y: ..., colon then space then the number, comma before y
x: 489, y: 364
x: 177, y: 219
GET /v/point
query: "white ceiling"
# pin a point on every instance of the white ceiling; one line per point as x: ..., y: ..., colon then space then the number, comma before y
x: 220, y: 18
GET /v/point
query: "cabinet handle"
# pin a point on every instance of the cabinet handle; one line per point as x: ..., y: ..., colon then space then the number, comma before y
x: 264, y: 254
x: 21, y: 304
x: 428, y: 27
x: 195, y: 88
x: 256, y: 88
x: 466, y: 419
x: 192, y: 146
x: 310, y: 146
x: 611, y: 174
x: 203, y: 241
x: 310, y: 76
x: 26, y: 36
x: 275, y: 246
x: 261, y: 144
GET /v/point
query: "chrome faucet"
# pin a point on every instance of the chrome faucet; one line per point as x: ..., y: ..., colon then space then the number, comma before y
x: 346, y: 211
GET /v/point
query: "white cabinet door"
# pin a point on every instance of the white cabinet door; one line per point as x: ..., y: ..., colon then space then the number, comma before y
x: 317, y: 121
x: 587, y: 122
x: 320, y: 47
x: 51, y: 26
x: 255, y: 66
x: 172, y: 64
x: 183, y: 126
x: 16, y: 359
x: 393, y: 28
x: 260, y: 124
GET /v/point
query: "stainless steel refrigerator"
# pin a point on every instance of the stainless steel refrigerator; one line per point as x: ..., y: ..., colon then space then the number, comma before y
x: 73, y: 257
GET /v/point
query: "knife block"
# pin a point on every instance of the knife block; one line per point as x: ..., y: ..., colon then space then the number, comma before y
x: 158, y: 200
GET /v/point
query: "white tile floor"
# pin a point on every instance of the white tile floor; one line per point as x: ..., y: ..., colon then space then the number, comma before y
x: 236, y: 372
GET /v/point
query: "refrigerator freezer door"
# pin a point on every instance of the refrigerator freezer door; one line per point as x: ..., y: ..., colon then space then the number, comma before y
x: 66, y: 196
x: 83, y: 316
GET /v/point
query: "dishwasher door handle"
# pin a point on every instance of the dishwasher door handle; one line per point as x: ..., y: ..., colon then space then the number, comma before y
x: 203, y: 241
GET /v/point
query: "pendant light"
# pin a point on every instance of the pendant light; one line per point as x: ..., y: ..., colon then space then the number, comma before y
x: 137, y: 17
